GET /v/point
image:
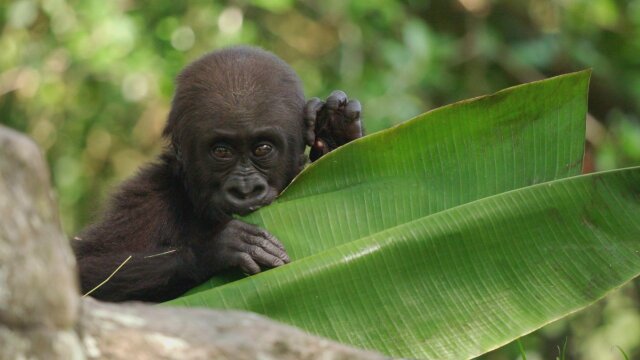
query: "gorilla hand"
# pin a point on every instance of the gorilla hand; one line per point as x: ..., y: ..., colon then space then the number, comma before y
x: 244, y: 246
x: 332, y: 123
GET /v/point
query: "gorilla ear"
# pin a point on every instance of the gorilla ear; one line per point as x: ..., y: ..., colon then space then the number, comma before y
x: 172, y: 132
x: 172, y: 121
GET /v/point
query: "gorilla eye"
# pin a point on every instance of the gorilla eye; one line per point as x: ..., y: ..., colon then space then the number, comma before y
x: 221, y: 152
x: 262, y: 150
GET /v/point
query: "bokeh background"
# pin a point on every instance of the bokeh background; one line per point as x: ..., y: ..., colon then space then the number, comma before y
x: 91, y: 81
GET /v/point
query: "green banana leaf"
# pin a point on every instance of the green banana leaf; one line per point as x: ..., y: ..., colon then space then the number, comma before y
x: 520, y: 136
x: 431, y: 240
x: 464, y: 281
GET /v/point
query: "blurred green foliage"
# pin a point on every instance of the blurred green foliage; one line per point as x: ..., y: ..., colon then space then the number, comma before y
x: 91, y: 81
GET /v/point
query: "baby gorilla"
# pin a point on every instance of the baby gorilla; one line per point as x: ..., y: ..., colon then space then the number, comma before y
x: 238, y: 127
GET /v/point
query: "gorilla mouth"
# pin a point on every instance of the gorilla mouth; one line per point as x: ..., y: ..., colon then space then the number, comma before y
x: 246, y: 208
x: 247, y: 211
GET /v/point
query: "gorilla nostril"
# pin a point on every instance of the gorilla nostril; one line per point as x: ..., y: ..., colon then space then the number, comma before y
x: 258, y: 190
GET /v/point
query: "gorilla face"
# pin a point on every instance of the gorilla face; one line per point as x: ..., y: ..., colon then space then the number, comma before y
x: 238, y: 122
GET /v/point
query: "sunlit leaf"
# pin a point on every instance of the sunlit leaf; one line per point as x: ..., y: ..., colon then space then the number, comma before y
x: 453, y: 248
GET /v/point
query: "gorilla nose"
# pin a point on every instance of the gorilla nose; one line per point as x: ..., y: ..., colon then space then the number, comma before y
x: 246, y: 191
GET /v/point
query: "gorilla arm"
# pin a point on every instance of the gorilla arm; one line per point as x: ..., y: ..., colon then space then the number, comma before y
x: 171, y: 248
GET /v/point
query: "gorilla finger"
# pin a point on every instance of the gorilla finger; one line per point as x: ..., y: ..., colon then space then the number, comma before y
x: 247, y: 264
x: 353, y: 110
x: 272, y: 247
x: 322, y: 145
x: 311, y: 108
x: 319, y: 149
x: 274, y: 240
x: 310, y: 113
x: 261, y: 234
x: 256, y: 230
x: 336, y: 99
x: 264, y: 258
x: 353, y: 131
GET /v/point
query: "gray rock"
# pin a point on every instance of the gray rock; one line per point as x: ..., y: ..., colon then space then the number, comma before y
x: 111, y: 331
x: 43, y: 317
x: 38, y: 286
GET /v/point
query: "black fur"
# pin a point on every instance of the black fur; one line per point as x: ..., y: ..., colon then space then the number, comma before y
x: 237, y: 132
